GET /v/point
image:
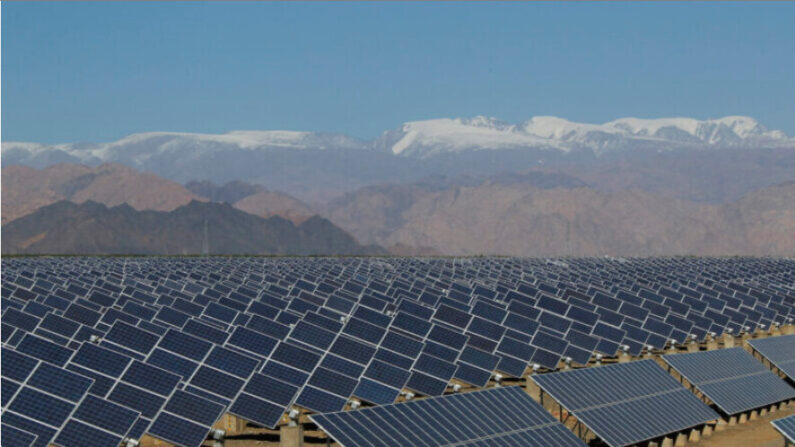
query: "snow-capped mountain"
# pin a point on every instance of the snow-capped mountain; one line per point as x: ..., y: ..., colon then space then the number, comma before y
x: 308, y: 163
x: 139, y: 148
x: 422, y: 139
x: 432, y: 137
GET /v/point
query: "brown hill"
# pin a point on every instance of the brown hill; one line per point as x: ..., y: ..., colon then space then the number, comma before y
x: 27, y: 189
x: 523, y: 220
x: 92, y: 228
x: 229, y: 192
x: 275, y: 203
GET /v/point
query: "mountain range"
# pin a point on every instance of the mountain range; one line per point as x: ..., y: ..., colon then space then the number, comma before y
x: 655, y: 155
x: 199, y: 227
x: 543, y: 187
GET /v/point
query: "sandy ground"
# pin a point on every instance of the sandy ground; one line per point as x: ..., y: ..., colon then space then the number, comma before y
x: 758, y: 433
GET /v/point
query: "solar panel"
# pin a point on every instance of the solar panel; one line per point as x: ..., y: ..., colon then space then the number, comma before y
x: 780, y: 351
x: 231, y: 362
x: 178, y: 431
x: 194, y: 408
x: 14, y: 437
x: 44, y: 350
x: 217, y: 382
x: 60, y: 382
x: 151, y: 378
x: 40, y: 407
x: 333, y: 382
x: 271, y: 389
x: 15, y: 365
x: 731, y: 378
x: 786, y: 426
x: 498, y: 416
x: 78, y: 434
x: 626, y: 403
x: 106, y: 415
x: 148, y: 404
x: 100, y: 359
x: 257, y: 410
x: 376, y: 393
x: 319, y: 400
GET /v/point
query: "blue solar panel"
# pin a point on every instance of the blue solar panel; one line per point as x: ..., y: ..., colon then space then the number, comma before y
x: 271, y: 389
x: 334, y: 382
x: 60, y: 382
x: 41, y: 407
x: 151, y: 378
x: 217, y: 382
x: 780, y: 351
x: 285, y: 373
x: 9, y: 388
x: 342, y: 366
x: 472, y: 375
x: 14, y: 437
x: 353, y: 350
x: 194, y: 408
x: 100, y: 359
x: 731, y: 378
x: 376, y: 393
x: 15, y: 365
x: 312, y: 335
x: 296, y: 357
x: 364, y: 330
x: 425, y: 384
x: 498, y: 416
x: 387, y: 374
x: 252, y: 341
x: 186, y: 345
x: 626, y: 403
x: 172, y: 362
x: 435, y: 367
x: 148, y: 404
x: 786, y: 426
x: 320, y: 401
x: 257, y: 410
x: 44, y: 350
x: 106, y: 415
x: 411, y: 324
x: 43, y: 433
x: 229, y: 361
x: 78, y: 434
x: 178, y: 431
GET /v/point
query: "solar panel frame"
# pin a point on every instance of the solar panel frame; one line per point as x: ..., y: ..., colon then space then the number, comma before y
x: 731, y: 378
x: 639, y: 394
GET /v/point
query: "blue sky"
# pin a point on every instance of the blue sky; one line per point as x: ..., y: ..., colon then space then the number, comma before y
x: 99, y: 71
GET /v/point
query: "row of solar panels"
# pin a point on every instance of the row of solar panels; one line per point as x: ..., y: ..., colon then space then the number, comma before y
x: 623, y: 404
x: 239, y: 336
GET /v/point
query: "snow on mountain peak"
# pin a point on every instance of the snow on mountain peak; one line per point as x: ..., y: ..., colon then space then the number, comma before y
x: 458, y: 134
x: 430, y: 137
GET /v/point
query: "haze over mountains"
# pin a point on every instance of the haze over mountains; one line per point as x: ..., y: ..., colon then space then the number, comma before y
x: 316, y: 167
x: 543, y: 187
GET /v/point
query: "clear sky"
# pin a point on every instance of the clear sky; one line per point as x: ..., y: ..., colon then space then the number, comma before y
x: 100, y: 71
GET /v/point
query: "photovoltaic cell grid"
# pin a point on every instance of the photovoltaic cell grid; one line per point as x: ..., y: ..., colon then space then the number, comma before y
x: 780, y: 351
x: 497, y: 416
x: 454, y: 319
x: 731, y: 378
x: 626, y: 403
x: 786, y: 426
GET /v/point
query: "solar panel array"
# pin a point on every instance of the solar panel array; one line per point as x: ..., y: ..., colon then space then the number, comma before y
x: 626, y: 403
x: 779, y: 351
x: 173, y: 343
x: 731, y: 378
x: 786, y: 426
x: 497, y: 416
